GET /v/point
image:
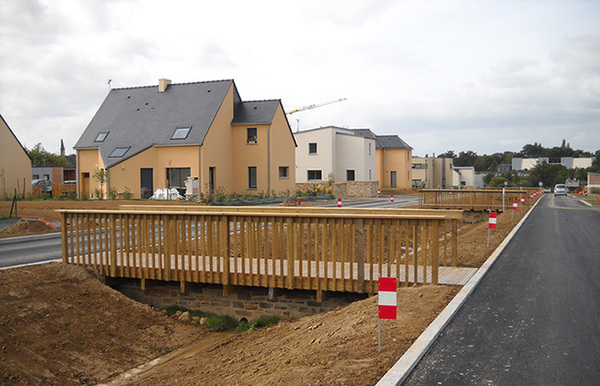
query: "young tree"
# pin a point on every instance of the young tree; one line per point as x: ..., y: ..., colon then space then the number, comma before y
x: 102, y: 176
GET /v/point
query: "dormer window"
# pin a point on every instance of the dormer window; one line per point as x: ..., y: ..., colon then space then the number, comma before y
x: 251, y: 138
x: 101, y: 136
x: 181, y: 133
x: 118, y: 152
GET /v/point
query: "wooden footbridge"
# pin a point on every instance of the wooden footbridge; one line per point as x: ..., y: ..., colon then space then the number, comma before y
x: 320, y: 249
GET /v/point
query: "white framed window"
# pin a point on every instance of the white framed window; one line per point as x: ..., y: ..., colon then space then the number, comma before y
x: 312, y: 148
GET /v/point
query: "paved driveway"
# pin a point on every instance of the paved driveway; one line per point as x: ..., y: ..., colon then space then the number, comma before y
x: 535, y: 317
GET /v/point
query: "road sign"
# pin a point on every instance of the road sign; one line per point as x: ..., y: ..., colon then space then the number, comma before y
x: 388, y: 304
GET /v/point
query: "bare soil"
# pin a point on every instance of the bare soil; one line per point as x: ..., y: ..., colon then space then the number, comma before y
x: 60, y: 325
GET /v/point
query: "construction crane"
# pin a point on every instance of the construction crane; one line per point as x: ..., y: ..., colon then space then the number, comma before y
x: 313, y: 106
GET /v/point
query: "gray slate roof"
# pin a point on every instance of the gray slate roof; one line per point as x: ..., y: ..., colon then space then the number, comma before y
x: 141, y: 117
x: 255, y: 112
x: 383, y: 141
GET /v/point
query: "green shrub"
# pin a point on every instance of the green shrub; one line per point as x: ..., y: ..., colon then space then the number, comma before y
x: 258, y: 323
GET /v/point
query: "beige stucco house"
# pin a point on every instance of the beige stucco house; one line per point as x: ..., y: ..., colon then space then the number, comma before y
x: 432, y: 173
x: 15, y: 164
x: 156, y: 137
x: 393, y: 160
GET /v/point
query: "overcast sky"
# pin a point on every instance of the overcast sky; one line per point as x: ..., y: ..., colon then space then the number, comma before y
x: 486, y: 76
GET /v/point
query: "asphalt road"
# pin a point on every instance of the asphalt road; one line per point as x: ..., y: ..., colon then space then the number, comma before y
x: 38, y: 249
x: 29, y: 249
x: 534, y: 319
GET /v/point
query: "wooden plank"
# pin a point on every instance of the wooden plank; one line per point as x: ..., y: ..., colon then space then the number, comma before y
x: 360, y: 255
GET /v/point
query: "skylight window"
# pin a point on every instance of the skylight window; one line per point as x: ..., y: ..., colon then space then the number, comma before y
x: 119, y: 152
x: 181, y: 133
x: 101, y: 136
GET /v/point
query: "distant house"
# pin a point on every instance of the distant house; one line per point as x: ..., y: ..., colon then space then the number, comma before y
x: 520, y: 164
x: 15, y: 164
x: 432, y: 173
x: 160, y: 136
x: 393, y: 160
x: 334, y: 153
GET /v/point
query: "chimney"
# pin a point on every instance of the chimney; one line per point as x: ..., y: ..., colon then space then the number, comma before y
x: 62, y: 148
x: 163, y: 84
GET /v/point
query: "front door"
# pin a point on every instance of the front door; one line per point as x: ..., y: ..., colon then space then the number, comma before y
x: 146, y: 183
x: 393, y: 180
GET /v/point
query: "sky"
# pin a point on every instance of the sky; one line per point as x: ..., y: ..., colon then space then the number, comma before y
x: 484, y: 76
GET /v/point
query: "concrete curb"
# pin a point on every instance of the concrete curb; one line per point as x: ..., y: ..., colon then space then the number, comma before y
x: 402, y: 369
x: 24, y: 239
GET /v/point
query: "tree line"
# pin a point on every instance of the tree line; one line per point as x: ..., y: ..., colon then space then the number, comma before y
x: 548, y: 174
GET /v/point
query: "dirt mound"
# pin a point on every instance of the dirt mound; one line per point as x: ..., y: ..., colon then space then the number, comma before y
x: 60, y: 325
x: 28, y: 227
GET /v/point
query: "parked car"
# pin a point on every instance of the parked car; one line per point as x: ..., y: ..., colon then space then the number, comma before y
x: 560, y: 189
x: 45, y: 184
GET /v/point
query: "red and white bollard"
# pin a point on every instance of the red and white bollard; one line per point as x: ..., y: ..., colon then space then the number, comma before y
x: 522, y: 200
x: 491, y: 225
x: 339, y: 202
x: 378, y: 192
x: 515, y: 207
x: 391, y: 198
x: 299, y: 200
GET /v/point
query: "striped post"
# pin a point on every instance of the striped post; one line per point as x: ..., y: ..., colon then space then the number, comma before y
x: 339, y: 202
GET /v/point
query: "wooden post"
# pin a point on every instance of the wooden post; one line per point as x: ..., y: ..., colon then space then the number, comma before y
x: 435, y: 251
x: 113, y: 245
x: 63, y: 236
x: 290, y: 252
x: 224, y: 247
x: 454, y: 242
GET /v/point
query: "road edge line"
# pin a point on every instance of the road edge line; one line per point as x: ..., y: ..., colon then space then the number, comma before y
x: 407, y: 362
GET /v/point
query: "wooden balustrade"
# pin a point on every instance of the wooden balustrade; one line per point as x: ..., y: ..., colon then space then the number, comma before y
x: 476, y: 200
x: 316, y: 249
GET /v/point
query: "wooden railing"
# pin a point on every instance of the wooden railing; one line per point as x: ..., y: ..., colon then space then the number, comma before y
x: 323, y: 250
x: 476, y: 200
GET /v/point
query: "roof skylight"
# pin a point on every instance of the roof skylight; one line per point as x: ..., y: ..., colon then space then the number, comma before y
x: 101, y: 136
x: 181, y: 133
x: 119, y: 152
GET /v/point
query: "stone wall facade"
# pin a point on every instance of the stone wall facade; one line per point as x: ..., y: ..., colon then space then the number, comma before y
x: 355, y: 189
x: 246, y: 302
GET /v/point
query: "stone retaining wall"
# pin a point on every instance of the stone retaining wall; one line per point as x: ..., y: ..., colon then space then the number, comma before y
x: 343, y: 189
x: 247, y: 302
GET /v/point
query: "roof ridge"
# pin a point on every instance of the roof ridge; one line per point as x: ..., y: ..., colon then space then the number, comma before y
x: 263, y: 100
x: 175, y: 84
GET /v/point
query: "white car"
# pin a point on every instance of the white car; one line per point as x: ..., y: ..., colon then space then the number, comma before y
x: 560, y: 189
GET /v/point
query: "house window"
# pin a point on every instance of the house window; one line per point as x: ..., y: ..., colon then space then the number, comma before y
x: 314, y: 175
x: 370, y: 179
x: 369, y: 149
x: 312, y: 148
x: 118, y: 152
x: 349, y: 175
x: 36, y: 176
x: 101, y: 136
x: 181, y: 133
x: 252, y: 177
x: 252, y: 135
x: 46, y: 176
x: 419, y: 166
x: 176, y: 178
x: 284, y: 172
